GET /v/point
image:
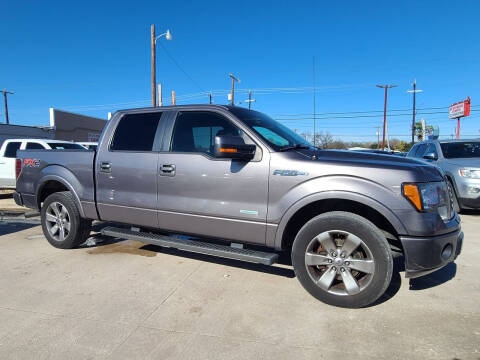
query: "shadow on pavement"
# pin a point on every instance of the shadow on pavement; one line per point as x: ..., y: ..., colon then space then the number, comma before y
x: 6, y: 196
x: 10, y: 227
x: 274, y: 270
x: 434, y: 279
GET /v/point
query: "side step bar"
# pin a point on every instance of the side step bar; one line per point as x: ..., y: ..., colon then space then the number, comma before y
x: 195, y: 246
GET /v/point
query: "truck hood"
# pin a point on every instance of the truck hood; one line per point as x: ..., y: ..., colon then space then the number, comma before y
x: 465, y: 162
x: 388, y: 164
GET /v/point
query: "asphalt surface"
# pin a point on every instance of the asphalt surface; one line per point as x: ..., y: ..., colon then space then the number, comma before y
x: 126, y: 300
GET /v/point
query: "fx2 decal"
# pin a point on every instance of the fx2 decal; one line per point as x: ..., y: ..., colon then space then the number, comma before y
x: 289, y: 173
x: 31, y: 162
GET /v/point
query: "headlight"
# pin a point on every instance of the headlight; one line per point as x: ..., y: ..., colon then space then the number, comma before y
x: 429, y: 197
x: 470, y: 173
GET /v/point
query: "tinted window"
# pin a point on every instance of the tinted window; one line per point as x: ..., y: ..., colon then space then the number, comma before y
x: 412, y: 151
x: 196, y: 131
x: 431, y: 149
x: 65, y: 146
x: 420, y: 150
x: 136, y: 132
x: 32, y: 145
x: 276, y: 134
x: 11, y: 149
x: 461, y: 150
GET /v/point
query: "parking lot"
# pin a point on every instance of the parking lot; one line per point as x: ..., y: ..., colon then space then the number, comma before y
x: 124, y: 299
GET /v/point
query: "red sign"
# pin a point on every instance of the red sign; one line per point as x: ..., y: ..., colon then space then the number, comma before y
x: 459, y: 109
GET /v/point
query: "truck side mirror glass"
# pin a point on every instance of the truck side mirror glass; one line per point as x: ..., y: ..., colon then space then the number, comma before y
x: 430, y: 156
x: 233, y: 147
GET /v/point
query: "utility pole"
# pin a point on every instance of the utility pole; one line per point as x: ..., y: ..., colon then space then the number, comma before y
x: 210, y: 97
x: 386, y: 87
x: 5, y: 93
x: 414, y: 91
x: 233, y: 87
x: 378, y: 136
x: 154, y: 71
x: 173, y: 98
x: 314, y: 103
x: 250, y: 100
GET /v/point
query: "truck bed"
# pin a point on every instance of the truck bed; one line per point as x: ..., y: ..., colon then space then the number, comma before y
x: 74, y: 168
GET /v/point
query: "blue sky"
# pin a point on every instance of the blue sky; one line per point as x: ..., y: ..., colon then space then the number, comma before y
x: 94, y: 57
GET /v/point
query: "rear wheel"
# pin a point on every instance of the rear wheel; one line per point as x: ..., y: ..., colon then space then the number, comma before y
x: 342, y: 259
x: 61, y: 222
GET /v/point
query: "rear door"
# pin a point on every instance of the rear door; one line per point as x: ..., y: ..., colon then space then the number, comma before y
x: 202, y: 195
x: 126, y: 170
x: 7, y: 164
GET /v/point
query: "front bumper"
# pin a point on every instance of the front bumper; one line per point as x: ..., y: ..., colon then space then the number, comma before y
x: 424, y: 255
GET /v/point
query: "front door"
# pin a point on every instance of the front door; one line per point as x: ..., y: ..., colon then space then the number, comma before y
x: 126, y: 170
x: 199, y: 194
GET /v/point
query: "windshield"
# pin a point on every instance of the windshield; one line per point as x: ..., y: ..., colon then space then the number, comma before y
x: 274, y: 133
x: 456, y: 150
x: 65, y: 146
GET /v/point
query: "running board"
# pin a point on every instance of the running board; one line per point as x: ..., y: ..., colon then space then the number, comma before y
x: 195, y: 246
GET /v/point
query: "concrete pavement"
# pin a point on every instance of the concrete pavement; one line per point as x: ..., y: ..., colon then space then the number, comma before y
x: 127, y: 300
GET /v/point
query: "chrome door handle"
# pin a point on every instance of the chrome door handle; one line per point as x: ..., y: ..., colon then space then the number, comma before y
x: 106, y: 166
x: 167, y: 170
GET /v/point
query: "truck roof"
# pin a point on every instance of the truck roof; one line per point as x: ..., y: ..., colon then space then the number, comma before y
x: 177, y: 107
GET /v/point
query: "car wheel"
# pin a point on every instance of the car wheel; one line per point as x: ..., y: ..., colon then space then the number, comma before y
x: 342, y: 259
x: 61, y: 222
x: 453, y: 196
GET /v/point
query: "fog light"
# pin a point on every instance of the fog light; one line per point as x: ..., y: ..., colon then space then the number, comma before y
x: 447, y: 251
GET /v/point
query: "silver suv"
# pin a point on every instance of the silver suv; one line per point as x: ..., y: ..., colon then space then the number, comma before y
x: 460, y: 162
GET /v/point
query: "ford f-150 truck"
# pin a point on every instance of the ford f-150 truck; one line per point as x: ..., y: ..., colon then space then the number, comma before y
x: 237, y: 184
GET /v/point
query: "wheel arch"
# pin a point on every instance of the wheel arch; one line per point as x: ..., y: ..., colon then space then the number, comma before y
x: 307, y: 208
x: 52, y: 183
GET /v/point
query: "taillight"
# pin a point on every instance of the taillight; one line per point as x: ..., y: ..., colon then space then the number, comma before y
x: 18, y: 167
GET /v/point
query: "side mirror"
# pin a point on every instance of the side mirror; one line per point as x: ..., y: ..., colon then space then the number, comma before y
x: 430, y: 156
x: 233, y: 147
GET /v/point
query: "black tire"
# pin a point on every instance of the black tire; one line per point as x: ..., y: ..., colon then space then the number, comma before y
x: 374, y: 284
x: 79, y: 227
x: 453, y: 195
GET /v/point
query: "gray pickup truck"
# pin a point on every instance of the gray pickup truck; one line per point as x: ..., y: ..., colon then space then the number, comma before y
x: 240, y: 185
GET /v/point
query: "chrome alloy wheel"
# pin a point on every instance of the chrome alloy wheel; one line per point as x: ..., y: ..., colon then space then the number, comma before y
x: 58, y: 221
x: 339, y: 262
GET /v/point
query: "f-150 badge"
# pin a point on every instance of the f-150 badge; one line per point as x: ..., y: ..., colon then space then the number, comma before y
x: 289, y: 173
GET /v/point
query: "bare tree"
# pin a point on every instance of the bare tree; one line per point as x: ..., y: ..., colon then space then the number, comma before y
x: 324, y: 139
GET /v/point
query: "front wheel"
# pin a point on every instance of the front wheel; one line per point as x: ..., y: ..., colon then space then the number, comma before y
x: 342, y: 259
x: 61, y: 222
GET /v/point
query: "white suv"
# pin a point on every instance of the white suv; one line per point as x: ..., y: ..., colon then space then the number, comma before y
x: 8, y: 153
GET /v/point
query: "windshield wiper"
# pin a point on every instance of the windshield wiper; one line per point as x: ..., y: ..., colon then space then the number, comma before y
x: 294, y: 147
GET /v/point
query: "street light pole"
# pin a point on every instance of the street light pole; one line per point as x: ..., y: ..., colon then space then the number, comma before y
x: 154, y: 39
x: 386, y: 87
x: 154, y: 70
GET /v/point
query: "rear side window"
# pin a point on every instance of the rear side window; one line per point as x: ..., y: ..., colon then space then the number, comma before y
x: 136, y: 132
x: 32, y: 146
x: 66, y: 146
x: 11, y: 149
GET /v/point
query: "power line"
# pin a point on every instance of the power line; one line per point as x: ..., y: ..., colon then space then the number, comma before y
x: 181, y: 69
